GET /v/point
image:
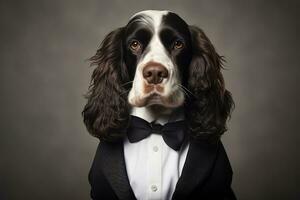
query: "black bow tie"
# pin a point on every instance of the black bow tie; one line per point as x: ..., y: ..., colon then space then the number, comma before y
x: 173, y: 133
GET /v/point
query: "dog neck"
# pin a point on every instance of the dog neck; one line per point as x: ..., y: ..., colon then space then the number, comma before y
x: 158, y: 113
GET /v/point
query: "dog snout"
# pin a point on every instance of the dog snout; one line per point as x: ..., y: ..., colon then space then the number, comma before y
x: 155, y: 73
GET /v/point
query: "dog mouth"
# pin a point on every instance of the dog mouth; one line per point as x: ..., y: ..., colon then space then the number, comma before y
x: 150, y: 89
x: 151, y: 98
x: 153, y: 94
x: 157, y: 94
x: 156, y: 98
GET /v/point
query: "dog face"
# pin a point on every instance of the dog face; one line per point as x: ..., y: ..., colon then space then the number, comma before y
x: 157, y: 48
x: 157, y: 59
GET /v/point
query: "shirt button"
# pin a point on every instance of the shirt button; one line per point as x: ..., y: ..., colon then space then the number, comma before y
x: 154, y: 188
x: 155, y: 149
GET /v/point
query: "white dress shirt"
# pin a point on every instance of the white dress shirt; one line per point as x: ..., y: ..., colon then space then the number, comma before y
x: 153, y: 167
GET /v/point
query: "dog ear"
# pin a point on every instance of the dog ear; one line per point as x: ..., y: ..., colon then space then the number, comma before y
x: 107, y: 112
x: 211, y: 105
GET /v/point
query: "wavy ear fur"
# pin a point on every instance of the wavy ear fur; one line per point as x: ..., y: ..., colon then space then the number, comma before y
x: 107, y: 111
x: 207, y: 111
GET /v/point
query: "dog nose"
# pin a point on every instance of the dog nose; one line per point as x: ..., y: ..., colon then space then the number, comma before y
x: 154, y: 74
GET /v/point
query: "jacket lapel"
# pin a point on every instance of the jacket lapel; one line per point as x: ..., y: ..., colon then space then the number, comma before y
x: 114, y: 169
x: 198, y: 165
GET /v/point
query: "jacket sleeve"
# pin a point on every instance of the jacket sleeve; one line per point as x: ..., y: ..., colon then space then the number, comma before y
x: 223, y: 169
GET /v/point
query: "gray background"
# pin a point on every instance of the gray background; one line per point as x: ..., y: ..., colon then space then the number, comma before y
x: 45, y: 150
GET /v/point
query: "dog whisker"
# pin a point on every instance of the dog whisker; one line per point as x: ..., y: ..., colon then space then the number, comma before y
x: 127, y: 83
x: 181, y: 89
x: 185, y: 89
x: 125, y: 92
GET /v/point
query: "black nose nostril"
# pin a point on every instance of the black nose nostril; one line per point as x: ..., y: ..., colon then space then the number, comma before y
x: 163, y: 74
x: 154, y: 73
x: 149, y: 74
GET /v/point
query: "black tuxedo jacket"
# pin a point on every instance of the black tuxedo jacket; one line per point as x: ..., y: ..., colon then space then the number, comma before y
x: 206, y: 174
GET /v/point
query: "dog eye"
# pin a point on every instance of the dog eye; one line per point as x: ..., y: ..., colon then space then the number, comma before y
x: 178, y: 44
x: 135, y: 45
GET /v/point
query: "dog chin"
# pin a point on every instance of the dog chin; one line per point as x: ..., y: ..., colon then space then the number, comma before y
x: 157, y: 99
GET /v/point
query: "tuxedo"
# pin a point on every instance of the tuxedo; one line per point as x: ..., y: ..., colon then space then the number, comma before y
x: 206, y: 173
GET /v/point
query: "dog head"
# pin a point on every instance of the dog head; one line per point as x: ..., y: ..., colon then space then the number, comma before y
x: 157, y: 59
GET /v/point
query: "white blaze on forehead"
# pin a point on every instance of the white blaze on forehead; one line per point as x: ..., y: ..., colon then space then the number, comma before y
x: 155, y: 15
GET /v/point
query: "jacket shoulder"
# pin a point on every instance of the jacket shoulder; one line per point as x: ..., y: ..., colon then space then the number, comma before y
x: 100, y: 187
x: 218, y: 183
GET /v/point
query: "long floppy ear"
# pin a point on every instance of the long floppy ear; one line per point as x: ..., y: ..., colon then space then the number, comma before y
x: 207, y: 111
x: 107, y: 112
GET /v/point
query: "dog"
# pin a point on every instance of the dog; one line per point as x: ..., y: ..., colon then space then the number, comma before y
x: 158, y: 71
